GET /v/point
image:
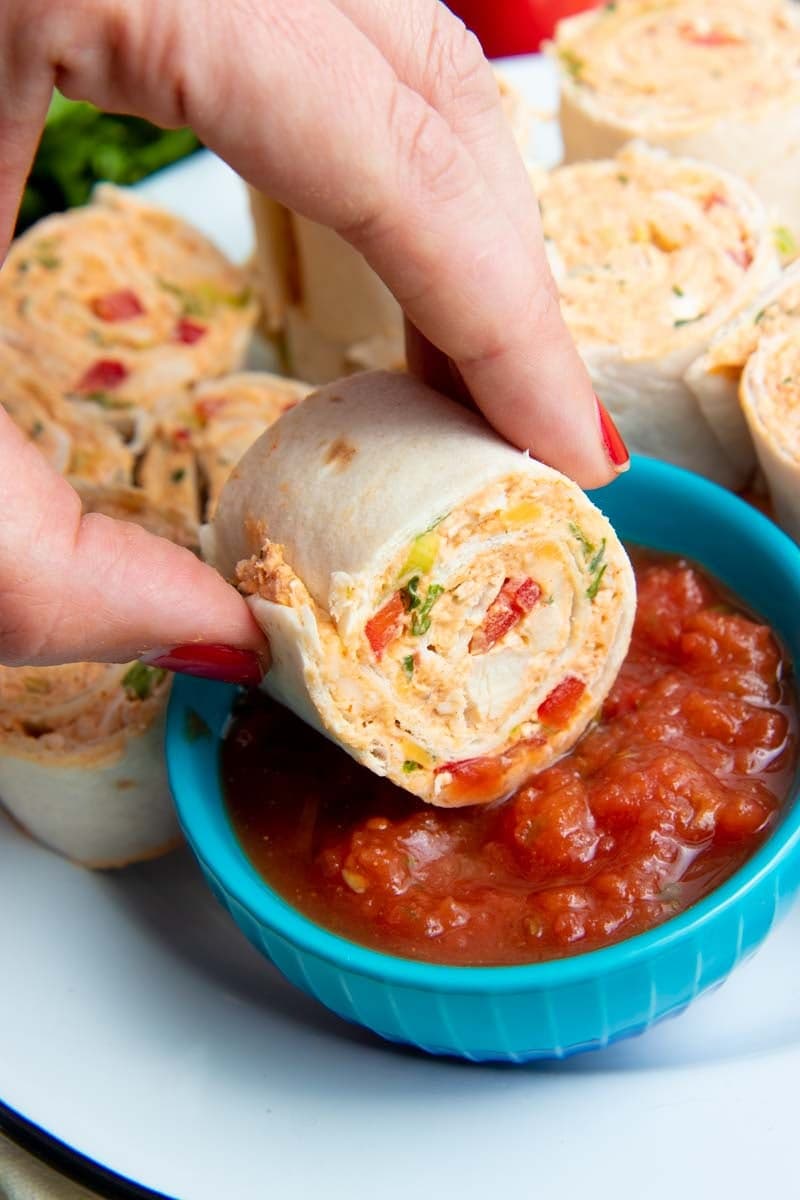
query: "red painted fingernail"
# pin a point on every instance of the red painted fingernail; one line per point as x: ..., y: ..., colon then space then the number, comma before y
x: 615, y: 448
x: 225, y: 663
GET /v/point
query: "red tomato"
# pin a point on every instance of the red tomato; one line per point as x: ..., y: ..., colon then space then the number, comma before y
x: 189, y: 332
x: 508, y: 27
x: 117, y: 306
x: 386, y: 625
x: 557, y: 708
x: 103, y: 376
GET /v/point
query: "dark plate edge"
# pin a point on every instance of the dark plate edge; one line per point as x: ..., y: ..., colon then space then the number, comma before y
x: 70, y: 1162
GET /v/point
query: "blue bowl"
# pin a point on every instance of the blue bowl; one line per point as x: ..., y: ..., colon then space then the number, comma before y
x: 545, y: 1010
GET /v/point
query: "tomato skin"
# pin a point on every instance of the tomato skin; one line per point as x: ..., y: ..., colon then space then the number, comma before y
x: 507, y: 27
x: 117, y: 306
x: 103, y: 376
x: 386, y: 625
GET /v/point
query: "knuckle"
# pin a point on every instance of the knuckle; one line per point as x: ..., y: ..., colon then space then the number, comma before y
x: 457, y: 69
x: 432, y: 158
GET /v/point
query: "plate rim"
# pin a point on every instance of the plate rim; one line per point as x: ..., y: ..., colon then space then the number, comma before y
x: 70, y: 1162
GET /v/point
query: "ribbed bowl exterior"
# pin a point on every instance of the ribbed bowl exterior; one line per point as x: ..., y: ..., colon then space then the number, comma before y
x: 553, y: 1021
x: 549, y: 1010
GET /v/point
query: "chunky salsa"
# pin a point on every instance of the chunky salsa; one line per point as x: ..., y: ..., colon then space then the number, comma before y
x: 671, y: 790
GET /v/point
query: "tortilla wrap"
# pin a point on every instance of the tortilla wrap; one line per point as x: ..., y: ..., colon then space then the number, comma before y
x: 448, y: 610
x: 652, y: 255
x: 715, y: 376
x: 715, y: 80
x: 123, y: 304
x: 770, y: 399
x: 200, y: 438
x: 81, y: 760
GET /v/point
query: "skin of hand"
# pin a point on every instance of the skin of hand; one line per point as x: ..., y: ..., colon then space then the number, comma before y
x: 380, y: 120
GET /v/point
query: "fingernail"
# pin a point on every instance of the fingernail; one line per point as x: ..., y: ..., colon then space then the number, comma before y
x: 224, y: 663
x: 615, y: 448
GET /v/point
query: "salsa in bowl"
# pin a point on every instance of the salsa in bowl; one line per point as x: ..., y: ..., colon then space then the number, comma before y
x: 608, y: 892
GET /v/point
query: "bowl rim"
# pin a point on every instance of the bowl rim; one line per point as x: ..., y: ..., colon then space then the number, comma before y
x: 197, y: 791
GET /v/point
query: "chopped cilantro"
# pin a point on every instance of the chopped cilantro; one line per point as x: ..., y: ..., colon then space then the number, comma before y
x: 37, y: 429
x: 191, y: 305
x: 787, y: 380
x: 178, y: 475
x: 587, y: 546
x: 410, y: 595
x: 677, y: 290
x: 597, y: 569
x: 140, y: 680
x: 49, y: 261
x: 409, y: 765
x: 195, y: 727
x: 785, y: 241
x: 623, y: 178
x: 421, y: 621
x: 594, y: 586
x: 688, y: 320
x: 759, y: 317
x: 408, y: 665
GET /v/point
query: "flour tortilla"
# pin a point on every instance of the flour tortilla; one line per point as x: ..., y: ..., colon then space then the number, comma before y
x: 652, y: 255
x: 714, y: 80
x: 376, y: 483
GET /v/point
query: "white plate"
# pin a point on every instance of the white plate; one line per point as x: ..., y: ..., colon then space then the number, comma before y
x: 139, y: 1028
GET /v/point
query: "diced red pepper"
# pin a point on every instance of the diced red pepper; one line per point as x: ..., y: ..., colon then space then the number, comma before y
x: 117, y: 306
x: 189, y: 332
x: 708, y: 37
x: 206, y: 409
x: 559, y: 706
x: 386, y: 625
x: 103, y: 376
x: 474, y: 778
x: 743, y: 258
x: 713, y: 199
x: 515, y: 598
x: 478, y: 780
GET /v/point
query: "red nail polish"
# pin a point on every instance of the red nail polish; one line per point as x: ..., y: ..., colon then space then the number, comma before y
x: 615, y: 448
x: 225, y: 663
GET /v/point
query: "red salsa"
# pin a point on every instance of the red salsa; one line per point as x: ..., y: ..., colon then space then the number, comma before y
x: 661, y: 800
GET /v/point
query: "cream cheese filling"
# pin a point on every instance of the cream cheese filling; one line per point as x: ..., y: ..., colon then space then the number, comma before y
x: 650, y: 250
x: 425, y: 699
x: 670, y: 65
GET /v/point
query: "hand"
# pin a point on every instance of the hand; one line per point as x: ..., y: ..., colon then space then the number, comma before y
x: 378, y: 119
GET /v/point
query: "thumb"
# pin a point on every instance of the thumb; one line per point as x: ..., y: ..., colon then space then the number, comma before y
x: 77, y: 587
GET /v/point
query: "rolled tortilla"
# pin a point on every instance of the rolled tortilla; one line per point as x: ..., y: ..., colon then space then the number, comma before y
x: 652, y: 255
x: 336, y: 315
x: 81, y: 761
x: 200, y: 439
x: 74, y: 443
x: 716, y: 375
x: 770, y: 399
x: 132, y: 504
x: 227, y: 415
x: 447, y: 609
x: 715, y: 80
x: 124, y: 304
